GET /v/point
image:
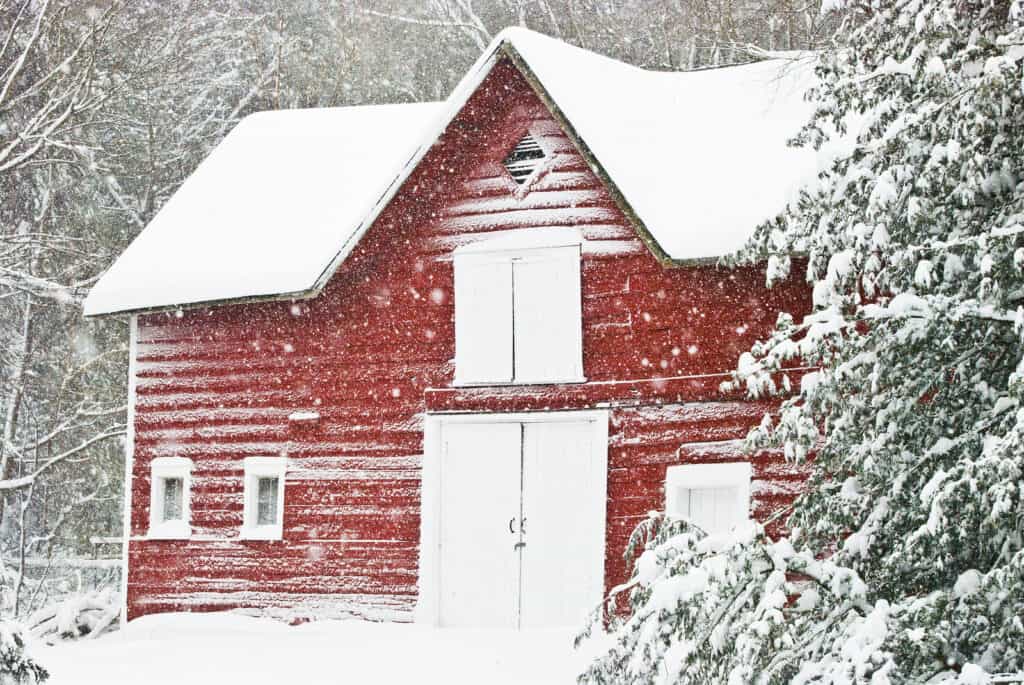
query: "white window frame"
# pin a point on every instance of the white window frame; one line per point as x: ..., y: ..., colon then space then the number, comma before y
x: 699, y: 476
x: 162, y: 469
x: 255, y: 468
x: 507, y: 247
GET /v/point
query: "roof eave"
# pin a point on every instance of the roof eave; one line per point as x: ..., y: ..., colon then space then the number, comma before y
x: 307, y: 294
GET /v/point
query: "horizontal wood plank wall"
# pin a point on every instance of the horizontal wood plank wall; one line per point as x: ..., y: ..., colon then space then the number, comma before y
x: 373, y: 353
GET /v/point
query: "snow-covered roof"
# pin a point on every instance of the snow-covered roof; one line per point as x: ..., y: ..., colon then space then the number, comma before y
x: 268, y: 210
x: 698, y: 159
x: 701, y: 157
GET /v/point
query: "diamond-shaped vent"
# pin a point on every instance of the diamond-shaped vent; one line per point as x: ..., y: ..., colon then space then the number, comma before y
x: 524, y: 158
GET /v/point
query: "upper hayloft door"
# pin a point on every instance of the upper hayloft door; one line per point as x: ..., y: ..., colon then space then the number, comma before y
x: 522, y: 520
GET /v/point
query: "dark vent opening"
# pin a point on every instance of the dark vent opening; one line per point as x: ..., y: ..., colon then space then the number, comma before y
x: 524, y: 158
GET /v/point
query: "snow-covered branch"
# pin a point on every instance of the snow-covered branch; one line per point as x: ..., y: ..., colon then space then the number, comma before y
x: 25, y: 481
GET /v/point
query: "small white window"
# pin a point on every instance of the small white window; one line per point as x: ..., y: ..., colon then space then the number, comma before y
x: 263, y: 495
x: 714, y: 497
x: 518, y: 309
x: 170, y: 494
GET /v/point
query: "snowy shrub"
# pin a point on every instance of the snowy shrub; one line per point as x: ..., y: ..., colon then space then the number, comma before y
x: 905, y: 563
x: 16, y: 666
x: 86, y: 615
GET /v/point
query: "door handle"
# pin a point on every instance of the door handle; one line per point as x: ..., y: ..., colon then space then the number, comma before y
x: 510, y: 522
x: 519, y: 545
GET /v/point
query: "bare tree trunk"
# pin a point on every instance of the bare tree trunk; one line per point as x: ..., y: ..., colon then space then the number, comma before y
x: 15, y: 393
x: 26, y: 498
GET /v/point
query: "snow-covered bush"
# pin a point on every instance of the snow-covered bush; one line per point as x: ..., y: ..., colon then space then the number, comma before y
x: 86, y: 615
x: 16, y: 666
x: 906, y: 558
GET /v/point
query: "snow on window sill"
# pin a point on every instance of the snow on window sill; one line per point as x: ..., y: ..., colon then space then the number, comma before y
x: 542, y: 381
x: 260, y: 533
x: 170, y: 530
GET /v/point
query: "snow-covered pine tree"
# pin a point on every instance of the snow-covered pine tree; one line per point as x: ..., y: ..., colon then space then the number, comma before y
x: 906, y: 559
x: 16, y: 666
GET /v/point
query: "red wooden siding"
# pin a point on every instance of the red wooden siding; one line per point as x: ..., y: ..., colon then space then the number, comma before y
x: 373, y: 352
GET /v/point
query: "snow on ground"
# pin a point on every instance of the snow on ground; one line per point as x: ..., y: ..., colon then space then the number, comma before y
x: 230, y: 649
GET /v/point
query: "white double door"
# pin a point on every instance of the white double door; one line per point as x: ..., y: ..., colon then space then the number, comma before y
x: 522, y: 523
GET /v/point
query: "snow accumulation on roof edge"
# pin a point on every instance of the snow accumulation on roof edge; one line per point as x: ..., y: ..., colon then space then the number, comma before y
x: 698, y: 158
x: 701, y: 158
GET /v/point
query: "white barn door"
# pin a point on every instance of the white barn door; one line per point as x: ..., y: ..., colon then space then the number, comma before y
x: 564, y: 507
x: 480, y: 481
x: 522, y: 523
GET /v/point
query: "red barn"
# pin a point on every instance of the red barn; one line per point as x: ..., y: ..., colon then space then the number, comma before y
x: 438, y: 360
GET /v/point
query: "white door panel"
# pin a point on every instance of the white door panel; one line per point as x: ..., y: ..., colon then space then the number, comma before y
x: 483, y: 320
x: 547, y: 316
x: 480, y: 493
x: 564, y: 511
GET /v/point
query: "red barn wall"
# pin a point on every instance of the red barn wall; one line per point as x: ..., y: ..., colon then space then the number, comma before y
x: 373, y: 352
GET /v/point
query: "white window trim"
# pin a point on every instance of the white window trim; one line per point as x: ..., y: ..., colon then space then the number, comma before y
x: 698, y: 476
x: 254, y: 469
x: 522, y: 239
x: 523, y: 244
x: 162, y: 468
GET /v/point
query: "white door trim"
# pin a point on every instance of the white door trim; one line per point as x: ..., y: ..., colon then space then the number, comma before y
x: 428, y: 601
